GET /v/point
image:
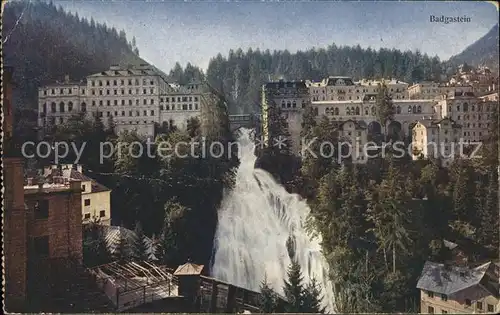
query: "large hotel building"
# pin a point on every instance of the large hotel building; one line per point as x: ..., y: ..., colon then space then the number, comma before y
x: 135, y: 98
x: 353, y: 106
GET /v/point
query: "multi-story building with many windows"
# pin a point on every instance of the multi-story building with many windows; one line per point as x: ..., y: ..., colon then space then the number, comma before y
x: 449, y: 289
x: 473, y: 113
x: 291, y: 98
x: 341, y: 99
x: 135, y: 98
x: 433, y: 90
x: 438, y: 139
x: 336, y: 88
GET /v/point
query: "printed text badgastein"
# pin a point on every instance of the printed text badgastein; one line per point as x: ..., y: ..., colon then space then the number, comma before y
x: 449, y: 19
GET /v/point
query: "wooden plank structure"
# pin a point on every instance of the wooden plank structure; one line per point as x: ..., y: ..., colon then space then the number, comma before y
x: 130, y: 284
x: 218, y: 296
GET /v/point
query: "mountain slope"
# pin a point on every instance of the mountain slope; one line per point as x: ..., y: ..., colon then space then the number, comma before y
x: 44, y: 43
x: 484, y: 51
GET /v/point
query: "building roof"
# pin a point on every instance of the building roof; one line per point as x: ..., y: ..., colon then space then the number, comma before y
x: 285, y: 84
x: 188, y: 269
x: 448, y: 280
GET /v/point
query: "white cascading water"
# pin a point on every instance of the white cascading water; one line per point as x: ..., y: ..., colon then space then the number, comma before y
x: 256, y: 219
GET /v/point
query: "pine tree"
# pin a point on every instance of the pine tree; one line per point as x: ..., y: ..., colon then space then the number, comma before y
x: 140, y: 248
x: 121, y: 252
x: 267, y: 298
x: 313, y: 298
x: 294, y: 289
x: 385, y: 107
x: 488, y: 215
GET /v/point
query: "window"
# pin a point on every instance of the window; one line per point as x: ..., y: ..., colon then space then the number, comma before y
x: 41, y: 246
x: 430, y: 310
x: 468, y: 302
x: 87, y: 216
x: 84, y: 107
x: 87, y: 202
x: 83, y: 187
x: 61, y: 107
x: 430, y: 294
x: 444, y: 297
x: 102, y: 213
x: 491, y: 308
x: 41, y: 209
x: 479, y: 305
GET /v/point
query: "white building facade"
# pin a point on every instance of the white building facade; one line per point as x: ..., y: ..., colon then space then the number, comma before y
x: 134, y: 98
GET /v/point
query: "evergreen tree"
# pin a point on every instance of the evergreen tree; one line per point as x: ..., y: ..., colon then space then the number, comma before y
x: 488, y: 215
x: 294, y: 289
x: 140, y: 248
x: 313, y: 298
x: 267, y: 298
x: 122, y: 252
x: 385, y: 107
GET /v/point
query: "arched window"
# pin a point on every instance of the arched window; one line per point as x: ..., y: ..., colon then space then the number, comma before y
x: 327, y: 111
x: 366, y: 111
x: 61, y: 107
x: 83, y: 107
x: 419, y: 109
x: 44, y: 108
x: 357, y: 111
x: 53, y: 107
x: 414, y: 109
x: 161, y: 107
x: 288, y: 104
x: 337, y: 111
x: 398, y: 110
x: 70, y: 106
x: 472, y: 108
x: 466, y: 107
x: 374, y: 111
x: 294, y: 104
x: 348, y: 111
x: 409, y: 109
x: 316, y: 111
x: 282, y: 104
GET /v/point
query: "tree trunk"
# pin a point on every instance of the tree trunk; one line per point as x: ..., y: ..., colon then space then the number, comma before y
x: 366, y: 262
x: 394, y: 258
x: 385, y: 259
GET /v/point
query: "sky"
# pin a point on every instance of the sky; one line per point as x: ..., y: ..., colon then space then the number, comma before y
x: 167, y: 32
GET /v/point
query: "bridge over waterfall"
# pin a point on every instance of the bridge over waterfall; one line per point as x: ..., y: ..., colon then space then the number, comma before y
x: 251, y: 121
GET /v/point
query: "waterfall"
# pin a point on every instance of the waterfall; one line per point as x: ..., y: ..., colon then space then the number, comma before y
x: 256, y: 219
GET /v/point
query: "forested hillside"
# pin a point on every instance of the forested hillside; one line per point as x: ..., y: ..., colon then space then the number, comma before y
x: 241, y: 74
x: 484, y: 51
x: 44, y: 43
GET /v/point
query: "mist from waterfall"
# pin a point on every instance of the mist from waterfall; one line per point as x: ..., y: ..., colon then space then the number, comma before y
x: 256, y: 219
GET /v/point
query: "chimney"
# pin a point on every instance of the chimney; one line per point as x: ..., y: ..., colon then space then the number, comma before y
x: 66, y: 78
x: 75, y: 185
x: 30, y: 181
x: 40, y: 185
x: 79, y: 168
